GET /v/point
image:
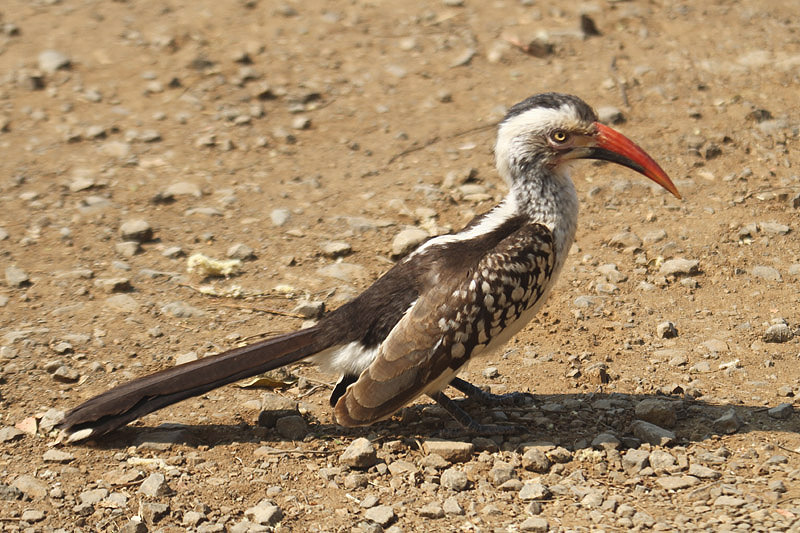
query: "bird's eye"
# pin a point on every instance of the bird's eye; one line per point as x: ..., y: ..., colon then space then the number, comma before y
x: 559, y: 136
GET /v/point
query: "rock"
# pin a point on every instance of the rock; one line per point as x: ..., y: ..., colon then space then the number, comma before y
x: 766, y: 272
x: 57, y: 456
x: 9, y: 493
x: 450, y: 451
x: 369, y: 501
x: 240, y: 251
x: 454, y: 479
x: 778, y: 333
x: 16, y: 277
x: 679, y: 267
x: 701, y: 367
x: 659, y: 412
x: 728, y: 423
x: 666, y: 330
x: 30, y: 487
x: 154, y: 486
x: 652, y: 433
x: 610, y: 115
x: 182, y: 188
x: 431, y: 510
x: 137, y: 230
x: 93, y: 496
x: 635, y: 460
x: 334, y: 249
x: 407, y: 240
x: 642, y: 520
x: 32, y: 515
x: 274, y: 407
x: 292, y: 427
x: 280, y: 217
x: 28, y: 425
x: 605, y: 441
x: 192, y: 518
x: 301, y: 123
x: 500, y: 473
x: 264, y: 513
x: 559, y: 454
x: 127, y: 248
x: 10, y: 434
x: 611, y: 273
x: 535, y: 524
x: 702, y: 472
x: 661, y: 461
x: 380, y: 514
x: 173, y: 252
x: 677, y: 482
x: 309, y: 309
x: 153, y: 512
x: 655, y: 236
x: 781, y: 412
x: 116, y: 149
x: 452, y: 507
x: 66, y: 374
x: 535, y: 460
x: 360, y: 454
x: 50, y: 61
x: 111, y: 285
x: 625, y: 239
x: 729, y: 501
x: 533, y: 490
x: 124, y: 303
x: 184, y: 358
x: 180, y: 309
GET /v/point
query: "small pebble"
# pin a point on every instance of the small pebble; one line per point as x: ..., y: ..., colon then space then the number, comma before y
x: 454, y: 479
x: 407, y: 240
x: 781, y: 412
x: 49, y: 61
x: 359, y: 454
x: 666, y: 330
x: 778, y: 333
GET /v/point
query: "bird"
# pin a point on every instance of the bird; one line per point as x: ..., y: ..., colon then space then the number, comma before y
x: 456, y: 297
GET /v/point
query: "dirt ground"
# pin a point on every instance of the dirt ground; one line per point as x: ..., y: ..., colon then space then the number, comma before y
x: 285, y: 127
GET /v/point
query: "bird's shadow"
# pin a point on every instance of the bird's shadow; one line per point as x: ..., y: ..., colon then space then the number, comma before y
x: 570, y: 420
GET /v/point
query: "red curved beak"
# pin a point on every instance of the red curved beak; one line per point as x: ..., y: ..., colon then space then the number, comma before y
x: 611, y: 145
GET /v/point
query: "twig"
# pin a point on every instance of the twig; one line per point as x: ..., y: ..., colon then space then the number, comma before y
x: 413, y: 149
x: 436, y: 139
x: 264, y: 310
x: 787, y: 449
x: 311, y: 391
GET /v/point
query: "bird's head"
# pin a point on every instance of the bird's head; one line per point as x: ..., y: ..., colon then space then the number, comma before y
x: 548, y: 131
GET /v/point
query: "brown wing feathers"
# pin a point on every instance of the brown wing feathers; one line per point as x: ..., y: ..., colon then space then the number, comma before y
x: 450, y: 322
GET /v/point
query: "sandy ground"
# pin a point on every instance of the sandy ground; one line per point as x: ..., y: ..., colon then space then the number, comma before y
x: 285, y: 127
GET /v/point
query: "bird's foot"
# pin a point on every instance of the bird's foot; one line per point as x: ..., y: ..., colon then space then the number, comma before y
x: 487, y: 398
x: 469, y: 423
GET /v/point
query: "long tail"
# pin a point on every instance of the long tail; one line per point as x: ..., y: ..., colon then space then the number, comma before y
x: 129, y: 401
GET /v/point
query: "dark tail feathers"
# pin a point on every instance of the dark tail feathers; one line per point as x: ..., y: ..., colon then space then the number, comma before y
x: 129, y: 401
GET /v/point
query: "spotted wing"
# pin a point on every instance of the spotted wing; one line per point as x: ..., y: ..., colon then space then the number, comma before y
x: 465, y: 312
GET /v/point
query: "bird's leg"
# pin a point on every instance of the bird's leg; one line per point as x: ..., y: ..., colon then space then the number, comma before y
x: 468, y: 422
x: 487, y: 398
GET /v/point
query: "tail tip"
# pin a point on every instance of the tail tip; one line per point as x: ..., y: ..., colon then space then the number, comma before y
x: 70, y: 436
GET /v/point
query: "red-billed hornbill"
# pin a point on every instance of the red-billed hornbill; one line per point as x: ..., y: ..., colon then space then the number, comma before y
x: 456, y: 297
